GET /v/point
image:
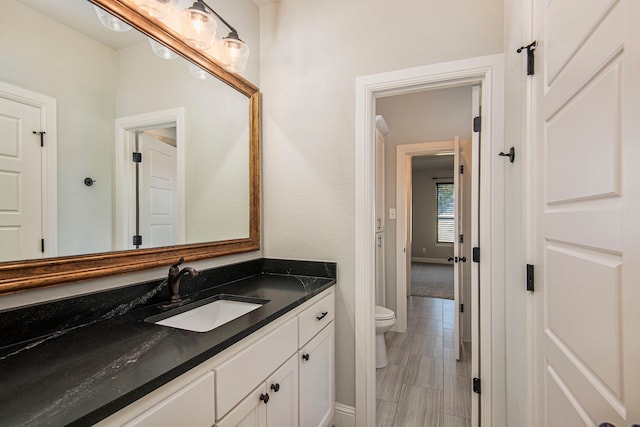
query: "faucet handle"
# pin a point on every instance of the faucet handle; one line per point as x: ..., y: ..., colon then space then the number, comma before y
x: 180, y: 261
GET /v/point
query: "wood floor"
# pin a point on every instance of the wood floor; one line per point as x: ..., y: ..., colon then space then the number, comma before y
x: 423, y: 384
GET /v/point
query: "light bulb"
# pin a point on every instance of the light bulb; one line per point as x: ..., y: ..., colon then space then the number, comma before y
x: 198, y: 72
x: 236, y: 54
x: 110, y: 21
x: 155, y: 8
x: 161, y: 51
x: 198, y: 27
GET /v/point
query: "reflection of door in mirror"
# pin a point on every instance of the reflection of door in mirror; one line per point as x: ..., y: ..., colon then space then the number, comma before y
x: 157, y: 190
x: 24, y: 226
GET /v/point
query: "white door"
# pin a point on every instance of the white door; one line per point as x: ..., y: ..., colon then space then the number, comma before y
x: 20, y: 181
x: 474, y: 240
x: 456, y: 245
x: 587, y: 213
x: 158, y: 193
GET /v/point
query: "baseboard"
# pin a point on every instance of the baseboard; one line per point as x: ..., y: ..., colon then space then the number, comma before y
x: 344, y: 416
x: 430, y: 260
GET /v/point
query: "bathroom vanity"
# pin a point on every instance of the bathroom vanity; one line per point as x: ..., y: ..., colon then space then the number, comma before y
x: 99, y: 359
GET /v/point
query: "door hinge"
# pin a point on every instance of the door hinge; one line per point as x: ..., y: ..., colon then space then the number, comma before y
x: 42, y: 245
x: 476, y: 254
x: 41, y: 133
x: 461, y: 308
x: 462, y: 238
x: 531, y: 48
x: 137, y: 240
x: 137, y: 157
x: 476, y: 124
x: 476, y: 385
x: 461, y: 168
x: 530, y: 284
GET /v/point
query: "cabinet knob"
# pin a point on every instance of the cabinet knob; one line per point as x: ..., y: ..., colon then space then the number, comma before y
x: 324, y: 313
x: 275, y: 387
x: 264, y: 397
x: 305, y: 356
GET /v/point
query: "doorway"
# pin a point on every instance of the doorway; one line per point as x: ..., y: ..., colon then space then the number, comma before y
x: 488, y: 73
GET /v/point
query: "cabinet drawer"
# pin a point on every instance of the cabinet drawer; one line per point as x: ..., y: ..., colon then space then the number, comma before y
x: 236, y: 377
x: 314, y: 318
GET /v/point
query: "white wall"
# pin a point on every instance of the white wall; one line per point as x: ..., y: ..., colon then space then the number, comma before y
x: 516, y: 296
x: 46, y: 61
x: 311, y: 54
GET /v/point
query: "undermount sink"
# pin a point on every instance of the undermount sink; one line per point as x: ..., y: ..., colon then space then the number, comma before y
x: 208, y: 314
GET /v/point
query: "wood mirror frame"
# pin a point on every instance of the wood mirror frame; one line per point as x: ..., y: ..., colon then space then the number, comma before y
x: 28, y: 274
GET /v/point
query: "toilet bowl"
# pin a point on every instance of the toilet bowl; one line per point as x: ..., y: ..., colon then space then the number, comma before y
x: 385, y: 319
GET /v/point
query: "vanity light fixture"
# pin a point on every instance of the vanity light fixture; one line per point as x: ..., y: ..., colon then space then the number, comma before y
x: 197, y: 25
x: 235, y: 52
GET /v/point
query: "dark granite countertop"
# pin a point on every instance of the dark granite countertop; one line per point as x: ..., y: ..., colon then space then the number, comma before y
x: 79, y: 360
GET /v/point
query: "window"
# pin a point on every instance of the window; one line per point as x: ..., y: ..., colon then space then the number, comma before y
x: 446, y: 220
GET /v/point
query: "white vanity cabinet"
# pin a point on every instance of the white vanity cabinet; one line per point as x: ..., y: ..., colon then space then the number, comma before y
x: 317, y: 363
x: 263, y: 380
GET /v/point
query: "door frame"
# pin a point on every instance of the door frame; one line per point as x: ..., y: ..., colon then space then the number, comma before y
x: 49, y: 180
x: 125, y: 171
x: 488, y: 71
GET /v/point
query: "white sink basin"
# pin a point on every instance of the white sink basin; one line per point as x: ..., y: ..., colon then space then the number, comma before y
x: 209, y: 316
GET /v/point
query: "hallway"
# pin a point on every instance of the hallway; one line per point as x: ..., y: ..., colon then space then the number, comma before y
x: 424, y: 385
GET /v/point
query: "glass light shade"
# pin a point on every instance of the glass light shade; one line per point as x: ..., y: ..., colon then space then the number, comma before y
x: 155, y: 8
x: 110, y: 21
x: 162, y: 51
x: 198, y: 28
x: 198, y: 72
x: 235, y: 54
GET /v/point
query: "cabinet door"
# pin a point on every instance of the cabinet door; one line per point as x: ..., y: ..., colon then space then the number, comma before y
x: 251, y: 412
x: 316, y: 361
x: 380, y: 210
x: 282, y: 386
x: 191, y: 405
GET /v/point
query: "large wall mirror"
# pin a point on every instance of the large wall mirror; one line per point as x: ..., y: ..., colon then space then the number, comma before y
x: 119, y: 150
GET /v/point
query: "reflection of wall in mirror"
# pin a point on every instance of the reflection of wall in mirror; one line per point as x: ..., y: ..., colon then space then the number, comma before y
x: 216, y: 140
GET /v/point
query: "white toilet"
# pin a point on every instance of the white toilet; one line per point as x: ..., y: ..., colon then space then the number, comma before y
x: 385, y: 319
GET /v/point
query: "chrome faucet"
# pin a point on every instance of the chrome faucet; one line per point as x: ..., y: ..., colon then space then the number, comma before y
x: 173, y: 281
